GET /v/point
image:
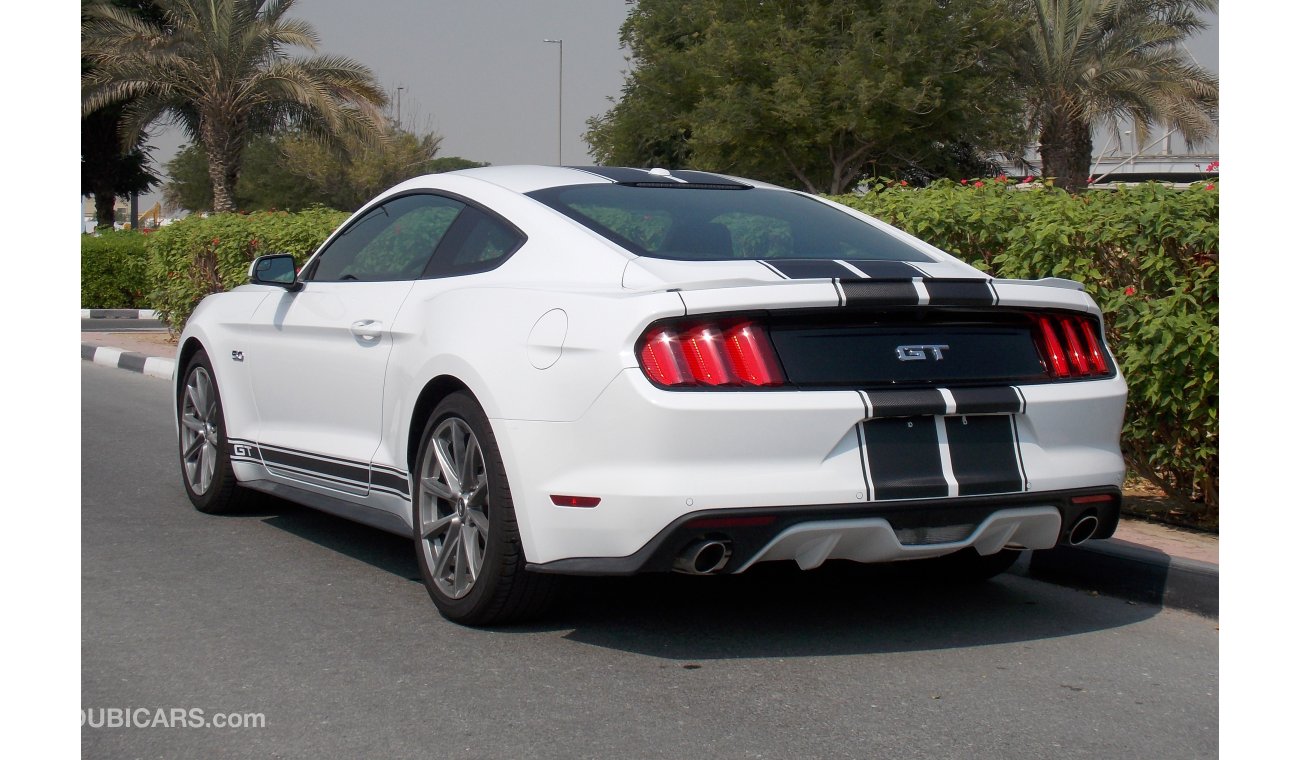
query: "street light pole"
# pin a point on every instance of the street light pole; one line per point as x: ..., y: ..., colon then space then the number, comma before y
x: 559, y: 129
x: 399, y: 107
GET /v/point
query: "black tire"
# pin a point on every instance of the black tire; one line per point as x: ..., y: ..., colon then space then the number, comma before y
x: 217, y: 491
x: 448, y: 514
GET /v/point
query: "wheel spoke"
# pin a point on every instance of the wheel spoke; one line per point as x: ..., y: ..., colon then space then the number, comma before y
x: 435, y: 526
x: 193, y: 448
x: 469, y: 459
x: 479, y: 521
x: 460, y: 580
x: 437, y: 489
x: 192, y: 423
x: 450, y: 542
x: 192, y: 393
x: 446, y: 464
x: 473, y: 560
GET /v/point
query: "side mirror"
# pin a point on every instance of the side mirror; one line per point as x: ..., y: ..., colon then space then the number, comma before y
x: 276, y: 269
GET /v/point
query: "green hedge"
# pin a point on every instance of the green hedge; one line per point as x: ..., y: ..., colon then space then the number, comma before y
x: 113, y: 272
x: 1147, y: 254
x: 200, y: 255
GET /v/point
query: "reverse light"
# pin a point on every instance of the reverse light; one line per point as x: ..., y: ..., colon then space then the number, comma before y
x: 706, y: 353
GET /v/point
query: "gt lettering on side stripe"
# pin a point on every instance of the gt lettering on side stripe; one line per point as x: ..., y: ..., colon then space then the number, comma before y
x: 241, y: 450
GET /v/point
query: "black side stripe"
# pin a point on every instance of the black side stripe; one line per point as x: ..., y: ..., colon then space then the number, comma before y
x: 341, y: 471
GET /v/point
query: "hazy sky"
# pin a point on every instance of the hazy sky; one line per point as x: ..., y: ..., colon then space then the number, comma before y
x: 477, y: 71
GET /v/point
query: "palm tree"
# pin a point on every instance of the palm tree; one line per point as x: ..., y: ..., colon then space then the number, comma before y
x: 217, y: 68
x: 1086, y: 62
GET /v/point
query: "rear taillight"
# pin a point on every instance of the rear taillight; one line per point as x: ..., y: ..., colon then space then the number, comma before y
x: 710, y: 354
x: 1069, y: 346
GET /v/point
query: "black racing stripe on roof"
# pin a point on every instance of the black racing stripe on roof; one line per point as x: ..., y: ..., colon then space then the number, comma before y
x: 704, y: 178
x: 808, y: 269
x: 618, y: 173
x: 887, y: 269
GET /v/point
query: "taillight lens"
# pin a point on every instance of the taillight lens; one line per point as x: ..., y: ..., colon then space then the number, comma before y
x: 1069, y: 346
x: 710, y: 354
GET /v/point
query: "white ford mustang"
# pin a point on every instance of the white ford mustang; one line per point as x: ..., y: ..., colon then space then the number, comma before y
x: 536, y: 371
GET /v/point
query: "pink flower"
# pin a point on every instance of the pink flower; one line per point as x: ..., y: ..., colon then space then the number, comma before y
x: 963, y: 182
x: 903, y: 182
x: 1002, y: 178
x: 1027, y: 180
x: 1209, y: 186
x: 1130, y: 290
x: 978, y: 183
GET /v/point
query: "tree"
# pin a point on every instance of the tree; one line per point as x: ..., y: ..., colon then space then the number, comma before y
x: 218, y: 69
x: 110, y: 170
x: 293, y: 171
x: 813, y: 94
x: 1086, y: 62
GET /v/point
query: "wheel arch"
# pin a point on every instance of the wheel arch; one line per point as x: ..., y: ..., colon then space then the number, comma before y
x: 431, y: 395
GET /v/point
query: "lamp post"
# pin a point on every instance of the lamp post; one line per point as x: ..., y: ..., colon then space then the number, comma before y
x: 399, y: 107
x: 559, y: 129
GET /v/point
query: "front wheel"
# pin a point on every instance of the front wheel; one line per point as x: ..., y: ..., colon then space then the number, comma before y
x: 466, y: 538
x: 205, y: 462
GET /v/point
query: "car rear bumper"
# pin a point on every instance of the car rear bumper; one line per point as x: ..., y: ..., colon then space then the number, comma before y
x: 880, y: 532
x: 657, y: 459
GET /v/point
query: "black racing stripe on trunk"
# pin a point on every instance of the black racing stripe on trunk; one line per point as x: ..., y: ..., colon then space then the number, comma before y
x: 887, y: 269
x: 959, y: 292
x: 903, y: 455
x: 390, y: 481
x: 769, y: 266
x: 808, y: 269
x: 879, y: 293
x: 907, y: 403
x: 355, y: 473
x: 1001, y: 400
x: 984, y: 455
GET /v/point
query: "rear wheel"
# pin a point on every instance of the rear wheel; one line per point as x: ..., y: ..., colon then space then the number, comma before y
x: 205, y: 462
x: 466, y: 538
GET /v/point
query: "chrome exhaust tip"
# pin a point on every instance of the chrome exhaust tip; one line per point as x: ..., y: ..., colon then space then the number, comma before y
x: 1083, y: 530
x: 703, y: 557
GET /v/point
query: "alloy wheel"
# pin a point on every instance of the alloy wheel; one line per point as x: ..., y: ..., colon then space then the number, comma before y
x: 454, y: 508
x: 200, y: 435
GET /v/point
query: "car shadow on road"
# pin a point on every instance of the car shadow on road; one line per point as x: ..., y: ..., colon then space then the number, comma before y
x: 771, y: 610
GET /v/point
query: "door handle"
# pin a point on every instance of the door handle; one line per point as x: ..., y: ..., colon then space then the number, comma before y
x: 367, y: 329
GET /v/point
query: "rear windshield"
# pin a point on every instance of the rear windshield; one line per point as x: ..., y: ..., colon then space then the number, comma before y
x: 706, y: 224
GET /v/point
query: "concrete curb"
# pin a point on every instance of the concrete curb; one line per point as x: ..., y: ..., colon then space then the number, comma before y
x: 119, y: 314
x: 154, y: 366
x: 1129, y: 571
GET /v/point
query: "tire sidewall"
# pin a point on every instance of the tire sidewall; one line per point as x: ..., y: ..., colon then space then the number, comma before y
x: 465, y: 408
x: 222, y: 472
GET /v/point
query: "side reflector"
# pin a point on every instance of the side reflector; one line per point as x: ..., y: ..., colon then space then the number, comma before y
x: 574, y: 501
x: 1094, y: 499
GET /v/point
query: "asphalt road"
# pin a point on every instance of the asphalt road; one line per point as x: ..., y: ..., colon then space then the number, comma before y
x: 319, y: 625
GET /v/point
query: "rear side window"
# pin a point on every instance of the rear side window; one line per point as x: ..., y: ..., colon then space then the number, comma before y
x: 476, y: 243
x: 706, y: 224
x: 394, y: 241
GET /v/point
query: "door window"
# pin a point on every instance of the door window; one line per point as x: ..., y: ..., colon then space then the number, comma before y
x: 394, y: 241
